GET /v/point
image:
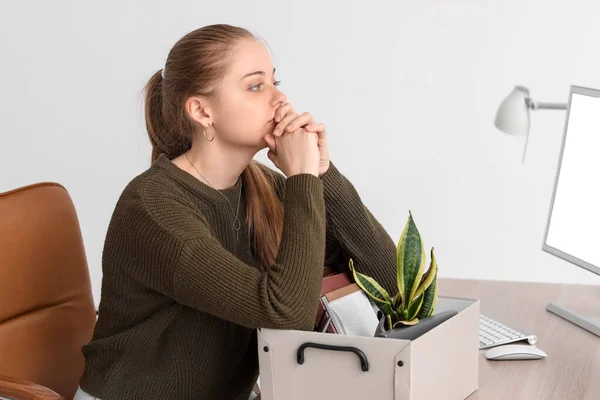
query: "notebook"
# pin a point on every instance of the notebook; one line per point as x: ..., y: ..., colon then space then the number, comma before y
x: 329, y: 283
x: 351, y: 311
x: 332, y: 282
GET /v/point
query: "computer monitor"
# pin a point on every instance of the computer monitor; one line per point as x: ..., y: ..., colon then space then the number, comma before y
x: 573, y: 226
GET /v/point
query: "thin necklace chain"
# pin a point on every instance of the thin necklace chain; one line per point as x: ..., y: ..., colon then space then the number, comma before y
x: 236, y: 222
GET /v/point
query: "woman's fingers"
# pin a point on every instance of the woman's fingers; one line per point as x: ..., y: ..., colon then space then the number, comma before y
x: 315, y: 127
x: 299, y: 122
x: 280, y: 128
x: 282, y: 111
x: 291, y: 122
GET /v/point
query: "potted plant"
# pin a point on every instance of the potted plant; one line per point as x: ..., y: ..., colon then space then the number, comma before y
x: 417, y: 290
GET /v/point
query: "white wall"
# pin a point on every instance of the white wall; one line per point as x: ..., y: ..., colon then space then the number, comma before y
x: 408, y: 92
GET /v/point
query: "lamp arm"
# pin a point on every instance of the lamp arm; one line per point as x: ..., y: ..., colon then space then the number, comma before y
x: 534, y: 105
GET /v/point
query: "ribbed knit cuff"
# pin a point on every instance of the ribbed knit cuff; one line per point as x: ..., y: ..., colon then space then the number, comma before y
x: 333, y: 183
x: 303, y: 183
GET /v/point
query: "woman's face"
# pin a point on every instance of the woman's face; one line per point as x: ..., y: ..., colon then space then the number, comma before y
x: 248, y: 97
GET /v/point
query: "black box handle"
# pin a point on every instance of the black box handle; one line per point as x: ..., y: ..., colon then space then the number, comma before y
x: 364, y: 362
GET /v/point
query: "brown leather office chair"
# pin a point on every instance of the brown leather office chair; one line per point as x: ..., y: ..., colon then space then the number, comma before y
x: 46, y: 307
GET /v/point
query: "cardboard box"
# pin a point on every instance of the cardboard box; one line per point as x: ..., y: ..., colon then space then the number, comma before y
x: 441, y: 364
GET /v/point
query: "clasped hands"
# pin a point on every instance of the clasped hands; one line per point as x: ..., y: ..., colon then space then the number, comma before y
x: 289, y: 121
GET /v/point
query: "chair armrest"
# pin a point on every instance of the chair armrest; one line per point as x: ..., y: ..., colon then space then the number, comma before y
x: 22, y: 390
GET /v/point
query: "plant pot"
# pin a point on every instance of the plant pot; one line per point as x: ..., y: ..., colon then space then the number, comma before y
x: 411, y: 332
x: 389, y: 333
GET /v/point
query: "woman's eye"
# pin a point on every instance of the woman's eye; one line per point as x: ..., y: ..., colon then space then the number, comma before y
x: 256, y: 87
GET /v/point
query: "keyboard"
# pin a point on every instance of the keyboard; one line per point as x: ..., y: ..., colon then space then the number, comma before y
x: 495, y: 333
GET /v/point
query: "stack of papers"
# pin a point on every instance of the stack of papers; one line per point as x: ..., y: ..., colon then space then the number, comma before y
x: 353, y: 314
x: 345, y: 308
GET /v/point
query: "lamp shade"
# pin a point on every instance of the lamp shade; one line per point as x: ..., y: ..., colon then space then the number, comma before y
x: 512, y: 116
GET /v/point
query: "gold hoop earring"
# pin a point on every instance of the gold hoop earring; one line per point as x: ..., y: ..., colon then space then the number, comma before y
x: 213, y: 135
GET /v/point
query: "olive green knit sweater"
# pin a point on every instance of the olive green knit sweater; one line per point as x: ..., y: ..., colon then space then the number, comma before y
x: 182, y: 298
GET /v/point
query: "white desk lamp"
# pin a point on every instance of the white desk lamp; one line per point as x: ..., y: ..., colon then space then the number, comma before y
x: 512, y: 116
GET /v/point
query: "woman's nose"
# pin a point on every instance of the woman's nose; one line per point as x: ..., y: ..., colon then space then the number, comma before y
x: 279, y: 97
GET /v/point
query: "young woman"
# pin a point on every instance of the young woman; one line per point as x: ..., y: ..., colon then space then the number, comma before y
x: 207, y: 245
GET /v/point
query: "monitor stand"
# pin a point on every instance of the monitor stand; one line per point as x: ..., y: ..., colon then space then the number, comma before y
x: 591, y: 324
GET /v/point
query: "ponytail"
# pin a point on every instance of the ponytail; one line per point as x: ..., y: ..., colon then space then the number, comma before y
x: 264, y: 213
x: 162, y: 132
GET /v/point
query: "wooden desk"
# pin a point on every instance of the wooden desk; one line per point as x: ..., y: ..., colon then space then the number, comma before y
x: 572, y: 368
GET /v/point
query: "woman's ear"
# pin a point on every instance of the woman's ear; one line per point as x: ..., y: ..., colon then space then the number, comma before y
x: 198, y: 109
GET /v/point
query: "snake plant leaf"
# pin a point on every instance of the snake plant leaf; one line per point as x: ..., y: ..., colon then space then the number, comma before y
x: 411, y: 322
x: 400, y: 263
x: 386, y: 308
x: 371, y: 287
x: 395, y: 316
x: 400, y: 313
x: 397, y: 301
x: 410, y: 260
x: 414, y: 308
x: 428, y: 277
x: 429, y: 300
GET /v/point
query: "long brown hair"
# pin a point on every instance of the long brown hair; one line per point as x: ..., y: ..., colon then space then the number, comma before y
x: 195, y: 65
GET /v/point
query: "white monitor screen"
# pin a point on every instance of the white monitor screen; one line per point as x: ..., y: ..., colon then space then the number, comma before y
x: 573, y: 228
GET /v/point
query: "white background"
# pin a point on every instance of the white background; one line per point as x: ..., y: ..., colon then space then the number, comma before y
x: 408, y: 91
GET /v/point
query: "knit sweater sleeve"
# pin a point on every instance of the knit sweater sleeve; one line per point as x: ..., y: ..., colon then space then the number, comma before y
x: 359, y: 235
x: 351, y: 230
x: 172, y: 250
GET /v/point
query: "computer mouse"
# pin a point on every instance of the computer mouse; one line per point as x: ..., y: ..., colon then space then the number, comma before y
x: 515, y: 352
